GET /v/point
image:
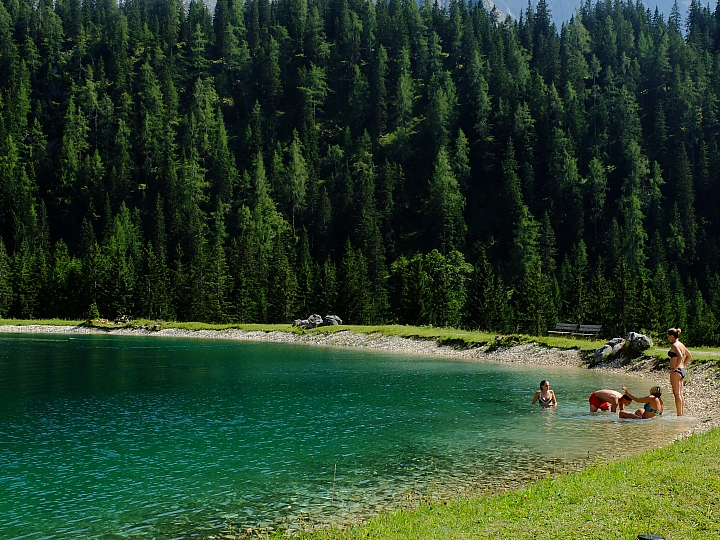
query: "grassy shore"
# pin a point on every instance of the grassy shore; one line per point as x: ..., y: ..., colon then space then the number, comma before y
x: 445, y: 336
x: 672, y: 491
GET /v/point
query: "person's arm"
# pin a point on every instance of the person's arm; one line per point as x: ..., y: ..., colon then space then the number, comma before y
x: 554, y: 398
x: 688, y: 356
x: 646, y: 399
x: 537, y: 395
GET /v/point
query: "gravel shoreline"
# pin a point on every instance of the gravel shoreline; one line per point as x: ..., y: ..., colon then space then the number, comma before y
x: 702, y: 387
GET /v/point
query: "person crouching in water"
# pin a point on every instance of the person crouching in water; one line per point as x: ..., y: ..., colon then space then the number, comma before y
x: 653, y: 405
x: 603, y: 400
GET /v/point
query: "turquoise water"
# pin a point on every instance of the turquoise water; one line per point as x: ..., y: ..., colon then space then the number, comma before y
x: 112, y: 437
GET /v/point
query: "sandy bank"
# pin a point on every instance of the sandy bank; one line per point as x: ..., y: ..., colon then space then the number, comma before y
x: 702, y: 387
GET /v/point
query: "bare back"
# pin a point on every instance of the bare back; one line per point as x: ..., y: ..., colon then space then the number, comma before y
x: 610, y: 396
x: 680, y: 357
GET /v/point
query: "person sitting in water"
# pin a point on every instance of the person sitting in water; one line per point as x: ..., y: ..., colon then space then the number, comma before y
x: 605, y: 399
x: 653, y: 405
x: 545, y: 396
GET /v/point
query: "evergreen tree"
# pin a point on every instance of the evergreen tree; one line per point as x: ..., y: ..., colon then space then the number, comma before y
x: 446, y: 205
x: 6, y: 292
x: 445, y: 293
x: 408, y: 284
x: 534, y: 309
x: 487, y: 307
x: 355, y: 301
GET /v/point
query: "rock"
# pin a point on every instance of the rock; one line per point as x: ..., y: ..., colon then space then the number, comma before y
x: 632, y: 347
x: 314, y: 320
x: 332, y: 320
x: 602, y: 354
x: 636, y: 344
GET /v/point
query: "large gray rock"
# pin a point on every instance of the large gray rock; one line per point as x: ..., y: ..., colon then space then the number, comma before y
x: 602, y: 354
x: 636, y: 344
x: 313, y: 321
x: 618, y: 347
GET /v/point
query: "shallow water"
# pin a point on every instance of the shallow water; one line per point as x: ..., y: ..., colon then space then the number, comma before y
x: 113, y: 437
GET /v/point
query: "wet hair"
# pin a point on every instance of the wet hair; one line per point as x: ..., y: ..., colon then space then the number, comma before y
x: 674, y: 332
x: 656, y: 391
x: 626, y: 397
x: 543, y: 383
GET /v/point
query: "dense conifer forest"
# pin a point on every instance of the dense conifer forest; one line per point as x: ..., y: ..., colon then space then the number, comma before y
x: 381, y: 160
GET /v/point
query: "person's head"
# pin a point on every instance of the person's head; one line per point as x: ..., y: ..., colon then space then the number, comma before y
x: 544, y: 385
x: 625, y: 399
x: 673, y: 334
x: 656, y: 391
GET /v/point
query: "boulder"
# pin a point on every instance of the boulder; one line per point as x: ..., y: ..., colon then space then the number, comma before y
x: 314, y: 320
x: 636, y: 344
x: 618, y: 347
x: 330, y: 320
x: 602, y: 354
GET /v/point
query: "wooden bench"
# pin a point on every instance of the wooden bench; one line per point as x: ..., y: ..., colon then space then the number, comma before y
x: 588, y: 330
x: 564, y: 329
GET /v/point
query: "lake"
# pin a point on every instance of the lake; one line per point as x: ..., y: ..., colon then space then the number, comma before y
x: 114, y: 437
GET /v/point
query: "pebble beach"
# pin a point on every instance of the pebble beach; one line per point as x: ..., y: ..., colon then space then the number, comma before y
x: 702, y: 387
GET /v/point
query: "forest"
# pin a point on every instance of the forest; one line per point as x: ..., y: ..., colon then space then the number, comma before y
x: 376, y: 159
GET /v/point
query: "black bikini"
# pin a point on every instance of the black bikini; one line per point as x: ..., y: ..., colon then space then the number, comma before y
x: 681, y: 371
x: 545, y: 401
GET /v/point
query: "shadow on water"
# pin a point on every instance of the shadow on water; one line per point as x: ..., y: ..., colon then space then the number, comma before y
x: 109, y: 437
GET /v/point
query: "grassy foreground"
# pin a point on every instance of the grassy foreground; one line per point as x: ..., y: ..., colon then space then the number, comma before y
x: 672, y: 491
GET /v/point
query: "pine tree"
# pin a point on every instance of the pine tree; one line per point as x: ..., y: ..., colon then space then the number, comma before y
x: 282, y: 285
x: 534, y: 309
x: 326, y: 287
x: 297, y: 174
x: 574, y: 284
x: 633, y: 233
x: 446, y: 205
x: 704, y: 327
x: 487, y: 306
x: 6, y: 292
x: 355, y: 301
x: 445, y: 293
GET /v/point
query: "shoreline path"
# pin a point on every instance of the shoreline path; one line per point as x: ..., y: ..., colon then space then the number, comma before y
x: 702, y: 390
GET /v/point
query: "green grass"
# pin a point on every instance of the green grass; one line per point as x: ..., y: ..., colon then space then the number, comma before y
x: 672, y: 491
x: 446, y: 336
x: 49, y: 322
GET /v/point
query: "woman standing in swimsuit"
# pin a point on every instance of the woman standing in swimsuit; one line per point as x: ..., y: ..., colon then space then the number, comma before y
x: 679, y: 358
x: 653, y: 405
x: 545, y: 396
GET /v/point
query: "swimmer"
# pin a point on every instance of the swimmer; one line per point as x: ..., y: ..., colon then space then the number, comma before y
x: 545, y: 396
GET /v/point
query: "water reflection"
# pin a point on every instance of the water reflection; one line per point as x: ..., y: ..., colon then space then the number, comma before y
x: 168, y: 438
